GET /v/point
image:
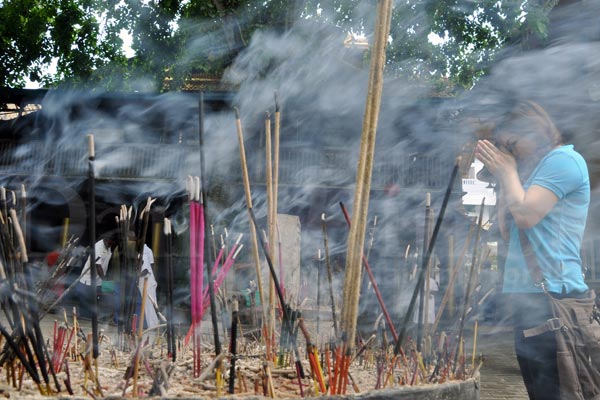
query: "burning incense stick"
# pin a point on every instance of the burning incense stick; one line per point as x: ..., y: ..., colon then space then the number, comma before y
x: 140, y: 332
x: 23, y: 207
x: 474, y: 343
x: 172, y: 348
x: 318, y: 264
x: 470, y: 276
x: 313, y: 357
x: 274, y: 234
x: 373, y: 281
x: 3, y: 204
x: 206, y: 221
x: 356, y: 238
x: 194, y: 290
x: 278, y: 291
x: 246, y: 181
x: 329, y: 275
x: 24, y: 258
x: 92, y: 241
x: 454, y: 274
x: 436, y: 229
x: 424, y: 296
x: 270, y: 222
x: 285, y: 309
x: 233, y: 345
x: 200, y: 256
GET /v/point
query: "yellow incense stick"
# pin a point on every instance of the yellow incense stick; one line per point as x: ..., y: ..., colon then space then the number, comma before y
x: 219, y: 380
x: 65, y: 232
x: 156, y: 239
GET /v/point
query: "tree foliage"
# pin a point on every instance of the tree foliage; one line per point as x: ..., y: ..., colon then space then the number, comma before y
x: 76, y: 37
x: 172, y: 38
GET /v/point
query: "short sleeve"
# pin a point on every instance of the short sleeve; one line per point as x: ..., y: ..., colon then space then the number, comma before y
x: 148, y: 255
x: 561, y: 173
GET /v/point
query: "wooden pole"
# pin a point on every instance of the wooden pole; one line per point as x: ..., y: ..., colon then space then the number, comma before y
x: 356, y: 238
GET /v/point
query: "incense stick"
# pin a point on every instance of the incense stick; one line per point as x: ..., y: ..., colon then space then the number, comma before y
x: 356, y: 237
x: 424, y: 295
x: 233, y: 345
x: 471, y: 272
x: 203, y: 199
x: 329, y: 275
x: 172, y: 348
x: 246, y: 182
x: 436, y: 230
x: 270, y: 224
x: 92, y: 241
x: 285, y: 309
x: 454, y: 274
x: 318, y: 264
x: 373, y: 281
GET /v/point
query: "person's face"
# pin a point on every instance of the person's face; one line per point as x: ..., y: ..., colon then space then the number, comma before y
x: 521, y: 146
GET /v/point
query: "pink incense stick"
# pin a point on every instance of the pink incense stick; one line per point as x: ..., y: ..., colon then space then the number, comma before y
x: 235, y: 250
x: 227, y: 261
x: 199, y: 273
x: 281, y: 280
x: 63, y: 355
x: 200, y: 265
x: 217, y: 261
x: 193, y: 231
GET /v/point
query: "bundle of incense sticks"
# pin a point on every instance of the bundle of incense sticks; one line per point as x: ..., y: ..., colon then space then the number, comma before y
x: 132, y: 232
x: 48, y: 290
x: 219, y: 276
x: 18, y: 302
x: 197, y: 230
x: 59, y: 347
x: 127, y: 271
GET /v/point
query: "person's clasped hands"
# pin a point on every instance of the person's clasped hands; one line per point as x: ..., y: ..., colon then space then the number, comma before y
x: 498, y: 162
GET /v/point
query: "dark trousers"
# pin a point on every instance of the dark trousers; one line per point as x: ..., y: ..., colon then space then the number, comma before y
x: 536, y: 355
x: 84, y: 298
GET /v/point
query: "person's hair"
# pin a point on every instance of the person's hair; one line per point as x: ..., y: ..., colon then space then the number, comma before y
x: 529, y: 118
x: 110, y: 235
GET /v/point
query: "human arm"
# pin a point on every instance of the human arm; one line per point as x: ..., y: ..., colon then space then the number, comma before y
x: 100, y: 271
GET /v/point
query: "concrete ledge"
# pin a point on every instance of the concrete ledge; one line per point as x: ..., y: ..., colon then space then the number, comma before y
x: 454, y: 390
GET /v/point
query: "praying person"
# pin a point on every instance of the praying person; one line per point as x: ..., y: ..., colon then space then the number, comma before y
x: 544, y: 188
x: 84, y: 293
x: 150, y: 314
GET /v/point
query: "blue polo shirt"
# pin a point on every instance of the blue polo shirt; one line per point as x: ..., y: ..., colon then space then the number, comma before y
x: 556, y: 239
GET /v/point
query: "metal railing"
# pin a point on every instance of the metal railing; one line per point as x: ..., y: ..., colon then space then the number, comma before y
x: 299, y: 166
